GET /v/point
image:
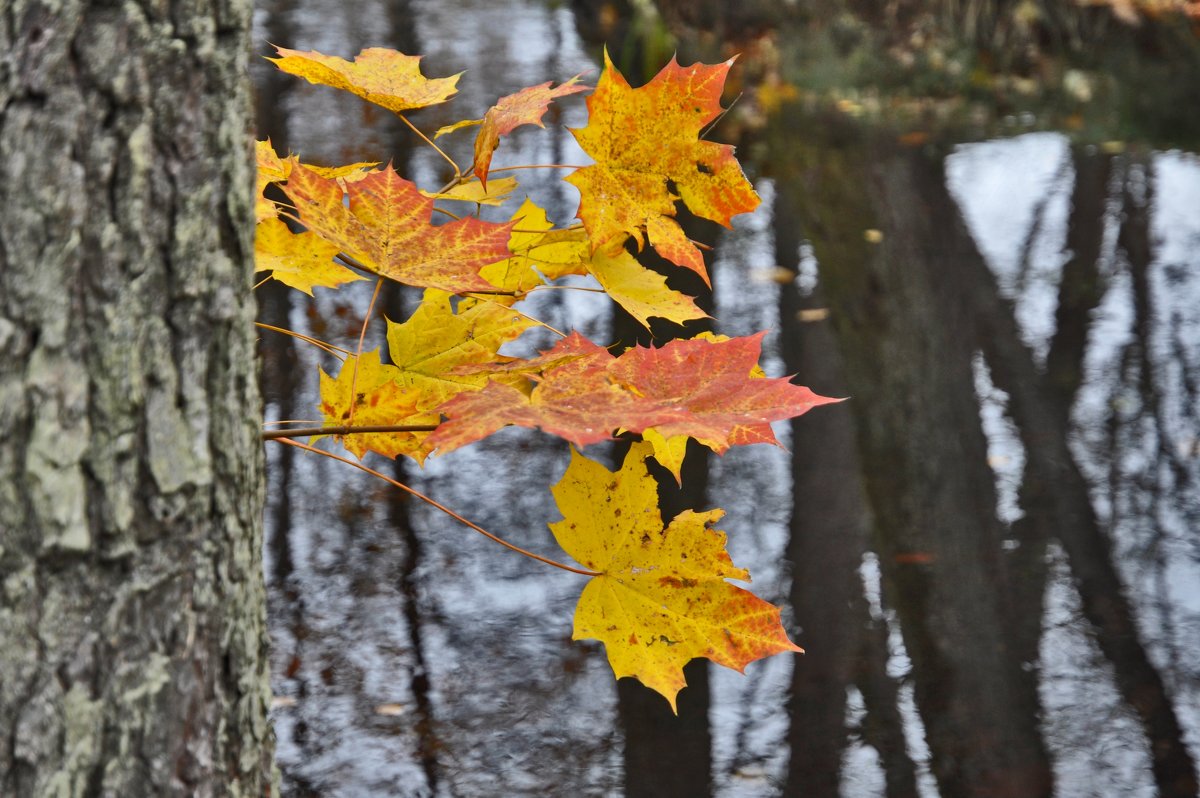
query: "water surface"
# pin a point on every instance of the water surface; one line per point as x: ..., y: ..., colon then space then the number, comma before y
x: 991, y: 552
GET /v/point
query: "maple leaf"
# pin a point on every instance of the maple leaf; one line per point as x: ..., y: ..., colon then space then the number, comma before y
x: 573, y: 347
x: 640, y: 291
x: 516, y: 273
x: 661, y: 598
x: 430, y: 347
x: 378, y: 75
x: 477, y: 192
x: 300, y: 260
x: 387, y: 227
x: 572, y: 399
x: 649, y: 155
x: 380, y: 399
x: 525, y: 107
x: 718, y: 380
x: 273, y: 169
x: 699, y: 388
x: 669, y: 450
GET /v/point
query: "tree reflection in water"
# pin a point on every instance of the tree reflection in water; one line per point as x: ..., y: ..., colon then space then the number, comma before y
x: 990, y: 552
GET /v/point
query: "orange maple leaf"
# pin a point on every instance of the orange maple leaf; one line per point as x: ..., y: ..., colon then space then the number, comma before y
x: 649, y: 155
x: 387, y: 227
x: 273, y: 169
x: 701, y: 388
x: 525, y: 107
x: 661, y: 598
x: 381, y: 76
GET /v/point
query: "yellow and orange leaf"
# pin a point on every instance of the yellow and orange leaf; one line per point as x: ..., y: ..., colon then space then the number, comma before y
x: 646, y: 144
x: 661, y: 598
x: 387, y: 226
x: 300, y: 260
x: 273, y: 169
x: 378, y: 75
x: 380, y: 400
x: 526, y: 107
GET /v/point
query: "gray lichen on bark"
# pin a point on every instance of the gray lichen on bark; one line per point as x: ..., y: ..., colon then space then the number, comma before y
x: 132, y: 610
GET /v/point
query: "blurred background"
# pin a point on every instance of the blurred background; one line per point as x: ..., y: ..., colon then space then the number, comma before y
x: 980, y: 222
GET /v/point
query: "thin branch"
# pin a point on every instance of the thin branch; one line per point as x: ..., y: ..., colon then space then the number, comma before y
x: 497, y: 292
x: 261, y: 283
x: 304, y: 432
x: 443, y: 508
x: 458, y: 179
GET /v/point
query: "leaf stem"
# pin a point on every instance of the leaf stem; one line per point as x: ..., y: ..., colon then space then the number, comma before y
x: 417, y: 494
x: 456, y: 217
x: 358, y: 355
x: 535, y: 166
x: 304, y: 432
x: 549, y: 286
x: 355, y: 263
x: 429, y: 141
x: 336, y: 351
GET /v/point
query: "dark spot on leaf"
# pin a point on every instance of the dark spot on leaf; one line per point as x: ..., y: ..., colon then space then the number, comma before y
x: 703, y: 168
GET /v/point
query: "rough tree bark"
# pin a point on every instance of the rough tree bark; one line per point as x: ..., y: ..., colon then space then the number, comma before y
x: 132, y: 614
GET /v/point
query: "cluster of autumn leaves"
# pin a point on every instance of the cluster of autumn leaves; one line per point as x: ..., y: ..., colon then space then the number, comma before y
x: 658, y: 596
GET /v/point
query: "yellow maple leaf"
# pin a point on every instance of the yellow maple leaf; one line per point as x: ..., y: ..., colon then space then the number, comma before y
x: 300, y: 260
x: 379, y: 400
x: 649, y: 155
x: 381, y: 76
x: 661, y: 598
x: 474, y: 191
x: 641, y: 291
x: 435, y: 341
x: 271, y: 169
x: 517, y: 274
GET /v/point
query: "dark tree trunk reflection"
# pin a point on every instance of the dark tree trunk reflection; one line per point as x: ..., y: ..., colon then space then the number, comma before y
x: 907, y: 342
x: 669, y: 756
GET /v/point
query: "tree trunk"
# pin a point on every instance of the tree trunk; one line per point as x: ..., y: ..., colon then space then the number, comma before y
x: 132, y: 613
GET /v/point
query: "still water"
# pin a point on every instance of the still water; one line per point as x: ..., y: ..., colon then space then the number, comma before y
x: 991, y: 552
